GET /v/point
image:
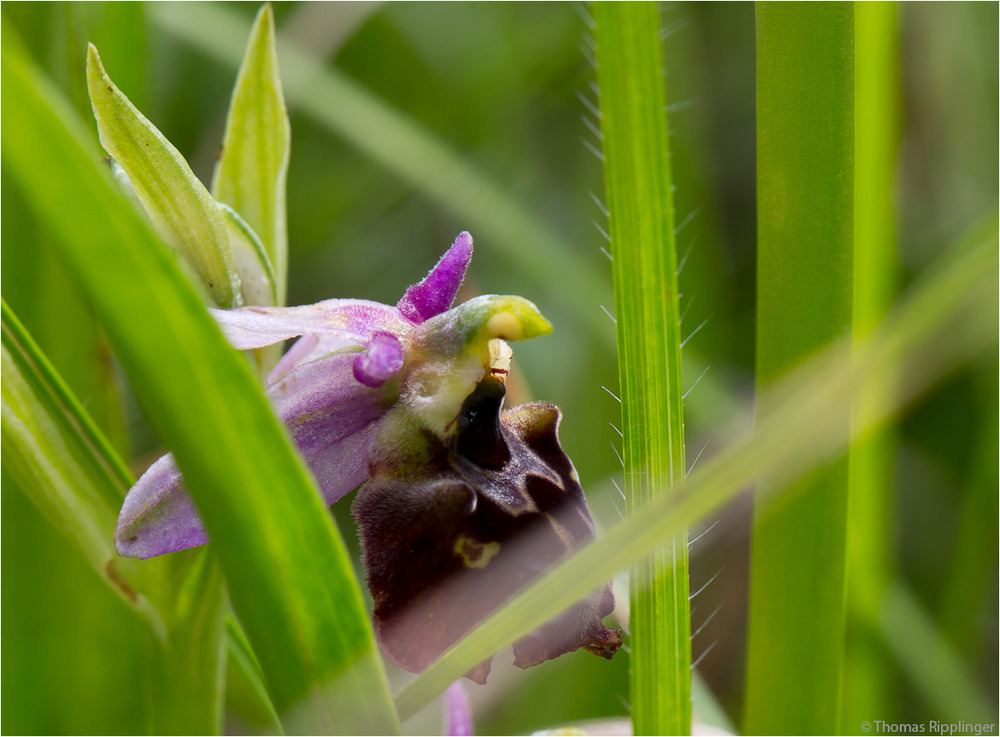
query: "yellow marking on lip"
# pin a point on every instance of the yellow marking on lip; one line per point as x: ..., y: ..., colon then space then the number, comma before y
x: 474, y: 553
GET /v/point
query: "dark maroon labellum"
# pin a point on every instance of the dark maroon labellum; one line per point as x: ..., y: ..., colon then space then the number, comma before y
x: 449, y: 539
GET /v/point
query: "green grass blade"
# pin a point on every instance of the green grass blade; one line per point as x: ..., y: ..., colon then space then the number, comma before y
x: 246, y: 694
x: 61, y: 461
x: 936, y: 329
x: 638, y: 184
x: 877, y: 132
x: 872, y: 461
x: 971, y: 568
x: 252, y: 168
x: 38, y: 288
x: 189, y: 667
x: 36, y: 284
x: 289, y: 577
x: 183, y: 211
x: 805, y: 242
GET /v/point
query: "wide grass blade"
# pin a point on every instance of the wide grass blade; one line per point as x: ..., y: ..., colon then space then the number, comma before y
x: 253, y: 164
x: 638, y: 185
x: 289, y: 577
x: 935, y: 330
x: 805, y: 243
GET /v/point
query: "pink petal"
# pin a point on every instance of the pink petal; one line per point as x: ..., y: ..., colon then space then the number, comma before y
x: 437, y: 291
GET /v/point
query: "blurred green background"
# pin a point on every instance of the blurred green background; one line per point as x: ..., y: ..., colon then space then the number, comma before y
x: 508, y: 88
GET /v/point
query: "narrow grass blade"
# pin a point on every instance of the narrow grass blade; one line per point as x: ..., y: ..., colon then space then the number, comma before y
x: 189, y: 666
x: 251, y: 171
x: 872, y: 462
x: 289, y: 577
x: 936, y: 329
x: 805, y: 242
x: 62, y: 462
x: 972, y: 569
x: 638, y: 184
x: 183, y: 211
x: 246, y: 694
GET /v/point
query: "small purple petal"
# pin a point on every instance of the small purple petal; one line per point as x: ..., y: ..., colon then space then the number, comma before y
x: 458, y: 711
x: 331, y: 417
x: 158, y: 515
x: 380, y: 361
x: 437, y: 291
x: 350, y: 321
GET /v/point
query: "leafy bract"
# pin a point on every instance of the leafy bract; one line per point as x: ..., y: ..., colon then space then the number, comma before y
x: 180, y: 207
x: 250, y: 174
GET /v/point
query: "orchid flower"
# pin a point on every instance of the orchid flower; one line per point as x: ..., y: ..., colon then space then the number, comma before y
x: 463, y: 504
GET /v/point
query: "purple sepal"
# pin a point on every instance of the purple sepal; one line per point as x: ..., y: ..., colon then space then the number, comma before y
x: 437, y: 291
x: 331, y: 418
x: 458, y: 711
x: 158, y: 515
x: 344, y: 322
x: 380, y: 361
